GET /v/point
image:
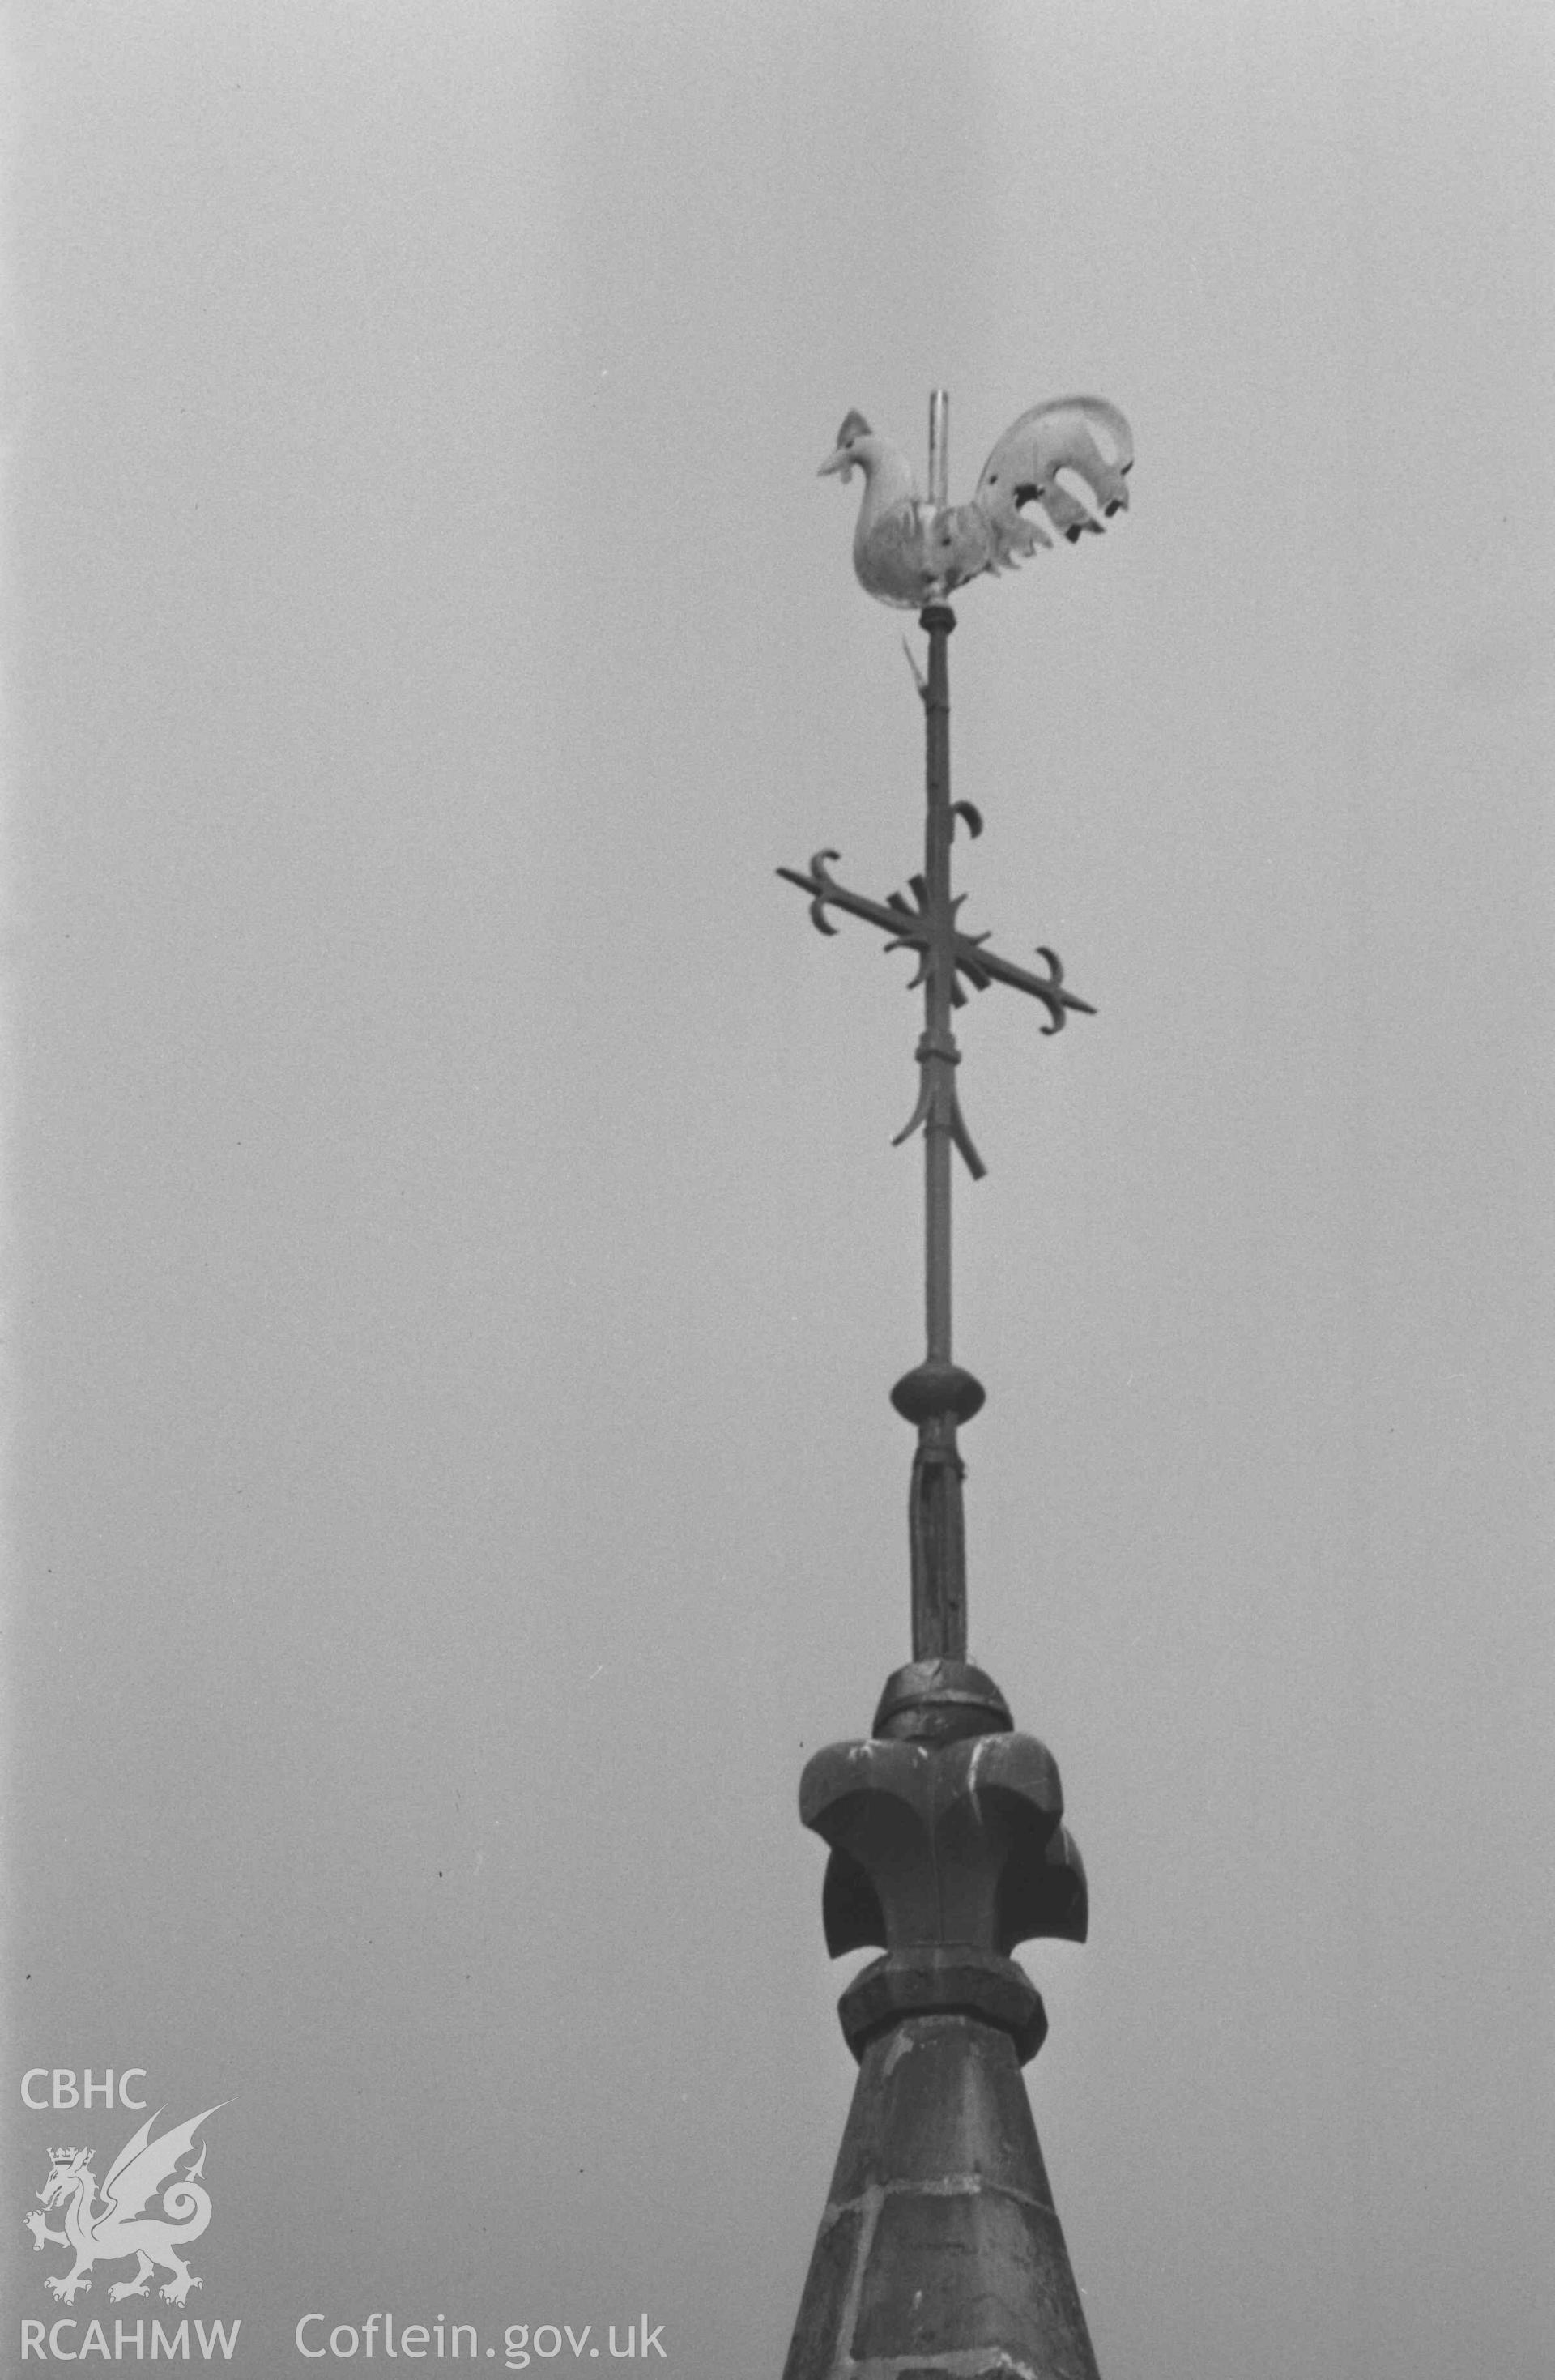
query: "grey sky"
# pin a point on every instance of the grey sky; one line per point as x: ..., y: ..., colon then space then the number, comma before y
x: 455, y: 1254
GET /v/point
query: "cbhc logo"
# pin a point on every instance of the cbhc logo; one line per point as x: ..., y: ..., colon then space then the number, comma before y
x: 65, y: 2094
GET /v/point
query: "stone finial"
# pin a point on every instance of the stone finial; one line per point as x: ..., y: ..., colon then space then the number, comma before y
x: 946, y: 1854
x: 941, y: 2255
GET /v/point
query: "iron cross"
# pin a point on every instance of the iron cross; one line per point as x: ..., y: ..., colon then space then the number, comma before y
x: 938, y: 1394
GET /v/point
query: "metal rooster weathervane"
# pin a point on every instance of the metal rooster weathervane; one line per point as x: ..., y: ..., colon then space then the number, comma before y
x: 912, y: 555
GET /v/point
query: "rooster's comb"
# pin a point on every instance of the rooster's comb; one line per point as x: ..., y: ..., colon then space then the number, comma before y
x: 855, y: 425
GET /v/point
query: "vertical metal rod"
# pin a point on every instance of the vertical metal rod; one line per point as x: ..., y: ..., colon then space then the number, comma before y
x: 939, y: 445
x: 939, y: 1057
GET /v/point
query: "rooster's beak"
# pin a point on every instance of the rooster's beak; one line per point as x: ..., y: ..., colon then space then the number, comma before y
x: 839, y: 460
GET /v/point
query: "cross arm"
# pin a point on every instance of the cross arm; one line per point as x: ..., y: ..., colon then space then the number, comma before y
x: 909, y: 929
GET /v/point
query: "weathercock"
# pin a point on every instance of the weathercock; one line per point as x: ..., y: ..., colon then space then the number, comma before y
x: 907, y: 552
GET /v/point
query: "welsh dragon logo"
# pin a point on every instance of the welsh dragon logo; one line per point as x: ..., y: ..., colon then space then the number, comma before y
x: 123, y: 2223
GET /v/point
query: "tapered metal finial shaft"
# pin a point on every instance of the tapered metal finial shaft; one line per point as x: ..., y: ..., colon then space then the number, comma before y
x: 940, y: 1394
